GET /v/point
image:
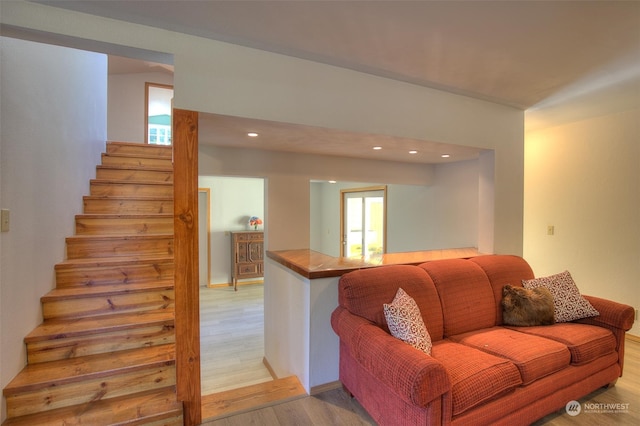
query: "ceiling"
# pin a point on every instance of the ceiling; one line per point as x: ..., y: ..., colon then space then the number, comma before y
x: 530, y: 55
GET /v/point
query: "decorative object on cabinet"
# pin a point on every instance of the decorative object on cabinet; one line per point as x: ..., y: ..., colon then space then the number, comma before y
x: 247, y: 255
x: 255, y: 221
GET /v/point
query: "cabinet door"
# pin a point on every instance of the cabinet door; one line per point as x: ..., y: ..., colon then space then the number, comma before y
x: 242, y: 252
x: 256, y: 251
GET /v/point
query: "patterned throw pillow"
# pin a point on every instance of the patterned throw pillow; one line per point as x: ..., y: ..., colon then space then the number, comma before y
x: 568, y: 302
x: 405, y: 321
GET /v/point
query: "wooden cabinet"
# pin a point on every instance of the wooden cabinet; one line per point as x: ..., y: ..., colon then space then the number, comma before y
x: 247, y: 255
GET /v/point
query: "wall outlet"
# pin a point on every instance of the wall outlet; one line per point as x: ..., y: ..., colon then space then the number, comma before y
x: 551, y: 229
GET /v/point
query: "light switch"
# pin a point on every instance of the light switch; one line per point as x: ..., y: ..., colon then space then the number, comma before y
x: 550, y: 230
x: 4, y: 220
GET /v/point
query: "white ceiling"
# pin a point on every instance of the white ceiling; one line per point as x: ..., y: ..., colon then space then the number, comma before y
x: 524, y: 54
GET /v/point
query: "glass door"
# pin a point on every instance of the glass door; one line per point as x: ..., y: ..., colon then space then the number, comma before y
x: 363, y: 222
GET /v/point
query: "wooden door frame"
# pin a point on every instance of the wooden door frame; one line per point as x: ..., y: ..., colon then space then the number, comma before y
x: 146, y: 106
x: 207, y: 191
x: 382, y: 188
x: 187, y: 296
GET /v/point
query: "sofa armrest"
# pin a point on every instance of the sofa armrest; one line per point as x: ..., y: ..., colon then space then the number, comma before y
x: 612, y: 314
x: 414, y: 376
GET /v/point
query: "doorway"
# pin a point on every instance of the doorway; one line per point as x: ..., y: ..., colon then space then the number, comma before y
x: 231, y: 322
x: 157, y: 112
x: 363, y: 221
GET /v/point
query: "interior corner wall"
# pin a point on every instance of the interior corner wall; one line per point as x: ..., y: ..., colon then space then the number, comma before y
x: 583, y: 179
x: 126, y: 104
x: 53, y: 129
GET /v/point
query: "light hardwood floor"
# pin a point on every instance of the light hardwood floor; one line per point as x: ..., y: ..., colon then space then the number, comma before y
x: 334, y: 407
x: 232, y: 338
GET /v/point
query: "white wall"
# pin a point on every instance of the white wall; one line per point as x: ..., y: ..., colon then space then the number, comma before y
x: 53, y: 128
x: 442, y: 214
x: 126, y: 104
x: 266, y: 86
x: 455, y: 205
x: 583, y: 178
x: 287, y: 179
x: 233, y: 201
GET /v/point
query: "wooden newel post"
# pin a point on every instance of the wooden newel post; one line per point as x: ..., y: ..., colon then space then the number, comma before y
x: 185, y: 223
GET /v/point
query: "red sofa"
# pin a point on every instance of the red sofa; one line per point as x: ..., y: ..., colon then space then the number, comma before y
x: 479, y: 371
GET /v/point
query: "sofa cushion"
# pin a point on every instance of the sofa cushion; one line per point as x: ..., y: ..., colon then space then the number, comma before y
x: 502, y: 270
x: 569, y: 303
x: 585, y: 342
x: 465, y: 295
x: 405, y: 321
x: 475, y: 376
x: 365, y: 291
x: 534, y: 356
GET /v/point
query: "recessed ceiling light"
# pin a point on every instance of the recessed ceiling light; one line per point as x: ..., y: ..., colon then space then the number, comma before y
x: 413, y: 152
x: 252, y: 134
x: 377, y: 148
x: 445, y: 156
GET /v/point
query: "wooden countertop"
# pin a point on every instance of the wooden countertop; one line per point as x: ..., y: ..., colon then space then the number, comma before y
x: 311, y: 264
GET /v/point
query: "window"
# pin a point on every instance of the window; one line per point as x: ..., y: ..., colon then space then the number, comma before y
x: 158, y: 108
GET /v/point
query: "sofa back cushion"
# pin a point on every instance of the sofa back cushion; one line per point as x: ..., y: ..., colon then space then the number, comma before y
x: 465, y: 294
x: 365, y: 291
x: 502, y: 270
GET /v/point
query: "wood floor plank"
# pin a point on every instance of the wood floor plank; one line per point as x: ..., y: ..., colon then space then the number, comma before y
x: 251, y: 397
x: 232, y: 338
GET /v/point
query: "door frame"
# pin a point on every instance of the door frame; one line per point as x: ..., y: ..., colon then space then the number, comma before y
x: 382, y: 188
x: 207, y: 192
x: 147, y: 85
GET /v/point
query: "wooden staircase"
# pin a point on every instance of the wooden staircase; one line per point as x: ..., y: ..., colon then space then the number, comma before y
x: 105, y: 353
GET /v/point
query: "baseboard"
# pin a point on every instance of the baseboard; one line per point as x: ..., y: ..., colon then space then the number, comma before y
x: 266, y: 364
x: 633, y: 338
x: 326, y: 387
x: 240, y: 283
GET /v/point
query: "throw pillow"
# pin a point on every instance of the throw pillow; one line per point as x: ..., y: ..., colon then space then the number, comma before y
x: 527, y: 307
x: 405, y: 321
x: 568, y: 302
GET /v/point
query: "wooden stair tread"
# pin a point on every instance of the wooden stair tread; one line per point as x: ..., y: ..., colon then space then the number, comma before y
x: 73, y: 370
x: 165, y: 151
x: 118, y: 237
x: 222, y: 404
x: 105, y: 290
x: 97, y: 262
x: 136, y: 155
x: 127, y: 197
x: 125, y: 410
x: 63, y: 328
x: 141, y: 216
x: 130, y: 182
x: 138, y: 144
x: 134, y: 167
